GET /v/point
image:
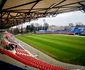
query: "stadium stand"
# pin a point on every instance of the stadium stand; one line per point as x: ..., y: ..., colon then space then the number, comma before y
x: 72, y: 31
x: 24, y: 57
x: 7, y: 34
x: 83, y: 33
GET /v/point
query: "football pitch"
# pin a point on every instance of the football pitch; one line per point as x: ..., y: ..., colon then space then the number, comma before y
x: 69, y: 49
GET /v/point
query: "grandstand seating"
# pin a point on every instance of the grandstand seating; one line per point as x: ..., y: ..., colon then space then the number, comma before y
x: 72, y: 31
x: 25, y: 58
x: 36, y: 62
x: 4, y: 42
x: 7, y: 34
x: 83, y: 33
x: 31, y: 61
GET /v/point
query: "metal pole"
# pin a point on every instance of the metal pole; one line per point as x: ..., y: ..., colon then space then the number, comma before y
x: 1, y: 29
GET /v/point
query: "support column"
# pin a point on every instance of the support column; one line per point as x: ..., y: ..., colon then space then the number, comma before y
x: 1, y: 37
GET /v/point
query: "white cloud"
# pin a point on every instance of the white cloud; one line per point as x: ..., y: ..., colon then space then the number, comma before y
x: 63, y: 19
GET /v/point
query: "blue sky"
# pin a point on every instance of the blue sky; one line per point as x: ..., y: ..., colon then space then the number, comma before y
x: 63, y: 19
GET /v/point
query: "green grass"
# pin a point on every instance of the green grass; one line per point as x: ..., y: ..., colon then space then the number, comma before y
x: 69, y: 49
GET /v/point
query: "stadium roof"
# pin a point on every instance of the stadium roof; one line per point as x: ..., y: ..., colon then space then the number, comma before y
x: 14, y: 12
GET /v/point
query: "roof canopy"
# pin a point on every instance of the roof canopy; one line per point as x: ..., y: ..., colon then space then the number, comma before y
x: 14, y: 12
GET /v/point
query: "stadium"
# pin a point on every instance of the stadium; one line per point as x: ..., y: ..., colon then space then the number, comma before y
x: 40, y: 48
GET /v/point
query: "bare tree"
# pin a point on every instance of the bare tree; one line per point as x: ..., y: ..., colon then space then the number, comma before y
x: 45, y: 25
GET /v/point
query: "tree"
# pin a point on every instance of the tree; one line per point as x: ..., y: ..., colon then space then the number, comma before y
x: 71, y: 25
x: 46, y: 26
x: 16, y: 30
x: 27, y: 28
x: 32, y: 27
x: 36, y: 27
x: 40, y: 27
x: 79, y: 24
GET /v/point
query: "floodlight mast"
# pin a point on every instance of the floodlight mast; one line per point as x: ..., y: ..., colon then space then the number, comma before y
x: 44, y: 23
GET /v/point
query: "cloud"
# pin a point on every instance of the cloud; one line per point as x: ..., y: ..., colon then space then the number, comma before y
x: 63, y: 19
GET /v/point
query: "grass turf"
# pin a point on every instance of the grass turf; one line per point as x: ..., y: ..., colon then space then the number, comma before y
x: 69, y: 49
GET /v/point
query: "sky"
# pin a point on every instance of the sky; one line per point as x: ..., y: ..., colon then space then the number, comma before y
x: 61, y: 19
x: 64, y: 19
